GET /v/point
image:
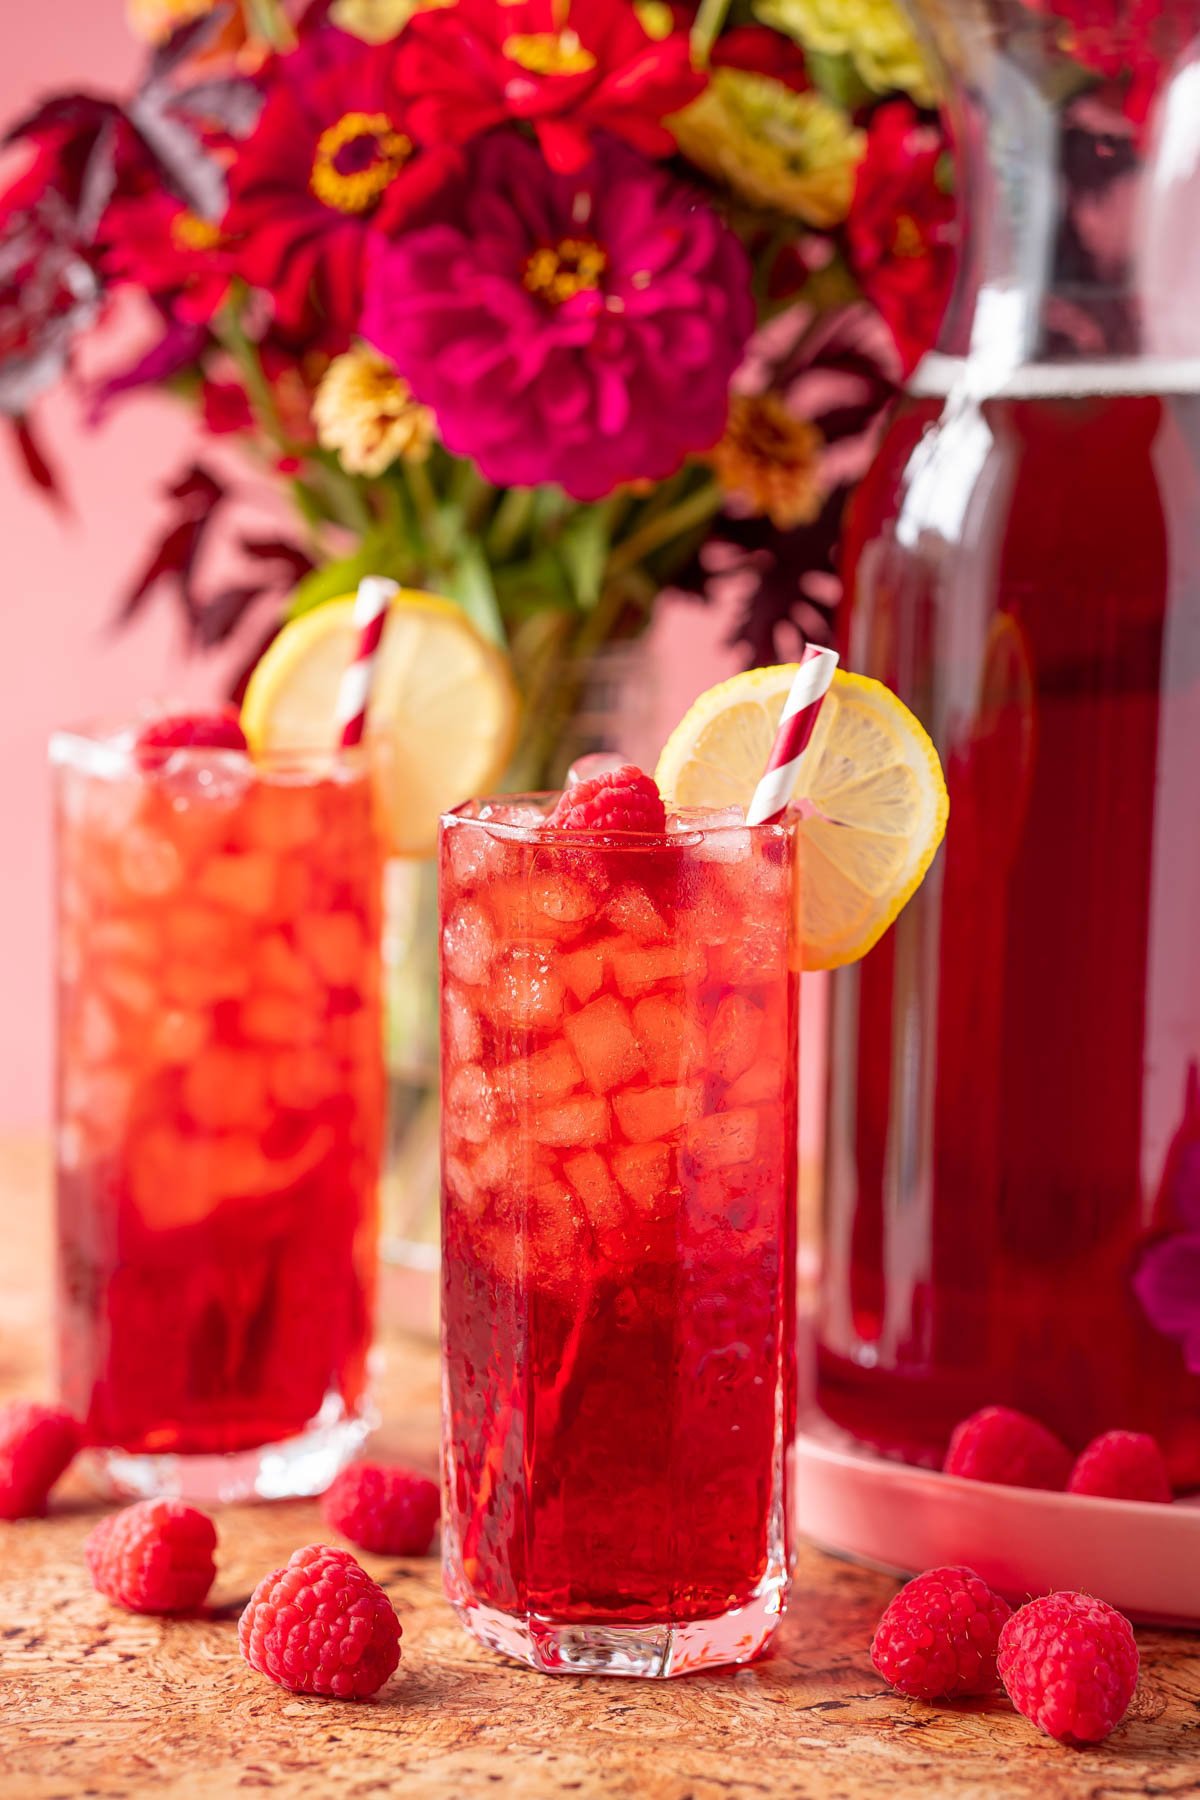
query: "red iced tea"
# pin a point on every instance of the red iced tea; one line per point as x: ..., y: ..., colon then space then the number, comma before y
x: 220, y: 1103
x: 619, y: 1103
x: 1014, y: 1168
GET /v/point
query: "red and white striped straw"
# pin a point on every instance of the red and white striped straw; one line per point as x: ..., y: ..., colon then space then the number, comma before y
x: 371, y: 604
x: 809, y: 687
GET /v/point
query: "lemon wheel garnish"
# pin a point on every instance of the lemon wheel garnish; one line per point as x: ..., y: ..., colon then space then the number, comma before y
x: 442, y: 703
x: 870, y: 791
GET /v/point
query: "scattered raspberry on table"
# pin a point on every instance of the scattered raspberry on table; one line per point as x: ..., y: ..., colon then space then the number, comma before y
x: 321, y: 1626
x: 620, y: 800
x: 386, y: 1509
x: 1070, y: 1664
x: 1122, y: 1465
x: 154, y: 1557
x: 37, y: 1443
x: 1001, y: 1445
x: 937, y: 1638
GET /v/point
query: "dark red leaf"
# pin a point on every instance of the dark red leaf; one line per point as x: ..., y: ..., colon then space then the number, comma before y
x: 292, y: 559
x: 218, y: 618
x: 179, y: 346
x: 35, y: 462
x: 174, y: 558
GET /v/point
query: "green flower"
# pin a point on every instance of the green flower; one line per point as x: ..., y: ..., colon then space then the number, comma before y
x: 787, y: 152
x: 875, y: 34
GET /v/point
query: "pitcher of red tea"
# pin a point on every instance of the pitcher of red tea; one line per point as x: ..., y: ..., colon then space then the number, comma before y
x: 1012, y: 1203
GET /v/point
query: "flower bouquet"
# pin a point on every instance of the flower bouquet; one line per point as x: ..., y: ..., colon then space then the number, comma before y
x: 547, y: 305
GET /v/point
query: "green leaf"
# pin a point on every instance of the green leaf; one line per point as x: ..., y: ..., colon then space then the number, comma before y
x: 583, y: 545
x: 470, y: 583
x: 374, y: 556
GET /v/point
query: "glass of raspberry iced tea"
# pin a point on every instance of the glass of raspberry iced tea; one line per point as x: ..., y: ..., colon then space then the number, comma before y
x: 220, y: 1101
x: 619, y: 1017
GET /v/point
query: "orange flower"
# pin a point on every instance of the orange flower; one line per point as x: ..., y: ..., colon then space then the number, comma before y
x: 769, y: 461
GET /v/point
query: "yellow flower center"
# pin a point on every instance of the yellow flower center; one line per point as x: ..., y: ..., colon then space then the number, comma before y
x: 560, y: 271
x: 356, y: 160
x: 190, y: 232
x: 549, y: 53
x: 907, y: 240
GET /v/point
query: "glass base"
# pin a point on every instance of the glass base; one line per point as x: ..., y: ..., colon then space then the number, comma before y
x: 649, y: 1650
x: 293, y: 1468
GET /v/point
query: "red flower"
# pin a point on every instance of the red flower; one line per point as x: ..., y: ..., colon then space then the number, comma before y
x: 763, y: 52
x: 154, y: 242
x: 330, y: 158
x: 1132, y: 43
x: 901, y: 233
x: 567, y: 67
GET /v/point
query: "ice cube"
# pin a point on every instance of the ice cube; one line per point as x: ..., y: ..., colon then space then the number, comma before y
x: 548, y: 1074
x: 722, y: 1139
x: 526, y: 991
x: 464, y: 1191
x: 588, y: 1174
x: 583, y: 971
x: 603, y: 1038
x: 688, y: 819
x: 762, y: 1081
x: 498, y: 1160
x: 734, y: 1037
x: 657, y: 1112
x: 467, y: 943
x: 565, y: 901
x: 277, y: 965
x: 477, y: 855
x: 220, y: 779
x: 646, y: 1172
x: 198, y: 985
x: 128, y: 988
x: 334, y: 943
x: 575, y: 1123
x: 299, y: 1080
x: 244, y: 883
x: 279, y: 1019
x: 595, y: 763
x: 632, y: 910
x: 636, y: 971
x: 281, y: 815
x: 470, y: 1109
x: 756, y: 955
x: 671, y: 1037
x: 150, y: 864
x: 177, y: 1036
x: 460, y: 1025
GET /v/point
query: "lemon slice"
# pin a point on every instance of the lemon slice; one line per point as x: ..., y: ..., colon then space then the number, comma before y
x: 870, y: 790
x: 442, y: 701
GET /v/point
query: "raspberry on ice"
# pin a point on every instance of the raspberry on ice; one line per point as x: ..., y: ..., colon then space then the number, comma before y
x: 37, y: 1443
x: 153, y: 1557
x: 937, y: 1638
x: 320, y: 1625
x: 1122, y: 1465
x: 1069, y: 1663
x: 217, y: 730
x: 1001, y: 1445
x: 389, y: 1510
x: 618, y: 800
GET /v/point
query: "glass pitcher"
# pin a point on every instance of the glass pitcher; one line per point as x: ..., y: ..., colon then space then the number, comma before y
x: 1012, y: 1204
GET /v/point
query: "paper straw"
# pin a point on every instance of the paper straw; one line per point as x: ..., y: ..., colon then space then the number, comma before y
x: 370, y: 611
x: 809, y: 687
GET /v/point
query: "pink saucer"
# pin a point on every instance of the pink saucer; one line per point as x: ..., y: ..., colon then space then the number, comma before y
x: 1143, y: 1559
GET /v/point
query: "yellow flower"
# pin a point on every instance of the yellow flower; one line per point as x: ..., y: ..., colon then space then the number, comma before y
x: 771, y: 461
x: 875, y: 34
x: 366, y: 412
x: 154, y: 20
x: 377, y: 21
x: 793, y: 153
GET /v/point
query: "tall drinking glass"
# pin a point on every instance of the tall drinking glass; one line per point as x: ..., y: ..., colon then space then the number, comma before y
x: 220, y: 1101
x: 619, y: 1024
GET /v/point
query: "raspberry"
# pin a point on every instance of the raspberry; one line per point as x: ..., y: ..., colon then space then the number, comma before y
x: 321, y: 1626
x: 937, y: 1638
x: 998, y: 1444
x: 1122, y: 1465
x: 36, y: 1444
x: 620, y: 800
x: 389, y: 1510
x: 154, y: 1557
x: 1070, y: 1664
x: 217, y: 730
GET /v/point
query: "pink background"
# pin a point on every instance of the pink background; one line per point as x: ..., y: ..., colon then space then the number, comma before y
x: 60, y: 659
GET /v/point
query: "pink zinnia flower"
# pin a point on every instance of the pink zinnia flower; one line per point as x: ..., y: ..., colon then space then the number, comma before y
x: 568, y: 67
x: 574, y: 329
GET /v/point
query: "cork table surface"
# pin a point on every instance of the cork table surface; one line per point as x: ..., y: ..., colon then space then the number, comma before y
x: 97, y: 1702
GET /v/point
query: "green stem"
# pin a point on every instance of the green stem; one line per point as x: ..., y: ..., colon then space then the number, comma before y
x: 710, y: 16
x: 266, y: 20
x: 699, y: 506
x: 424, y: 498
x: 510, y: 522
